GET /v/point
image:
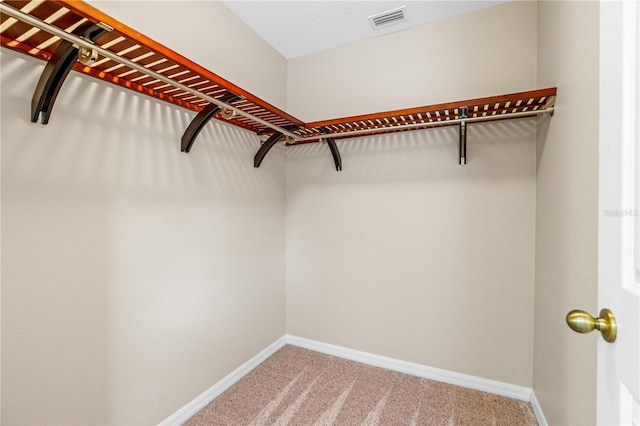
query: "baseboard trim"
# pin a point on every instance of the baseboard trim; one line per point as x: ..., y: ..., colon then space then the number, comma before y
x: 537, y: 410
x: 186, y: 412
x: 472, y: 382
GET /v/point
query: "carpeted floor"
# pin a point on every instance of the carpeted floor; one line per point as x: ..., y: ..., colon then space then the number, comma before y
x: 296, y: 386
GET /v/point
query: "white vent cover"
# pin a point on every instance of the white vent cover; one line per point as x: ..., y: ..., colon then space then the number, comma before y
x: 390, y: 17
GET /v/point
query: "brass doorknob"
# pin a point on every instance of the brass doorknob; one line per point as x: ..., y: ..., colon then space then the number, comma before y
x: 582, y: 322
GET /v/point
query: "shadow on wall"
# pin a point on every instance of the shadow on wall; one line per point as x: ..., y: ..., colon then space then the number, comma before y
x: 80, y: 146
x: 405, y: 234
x: 425, y: 154
x: 126, y: 264
x: 543, y: 124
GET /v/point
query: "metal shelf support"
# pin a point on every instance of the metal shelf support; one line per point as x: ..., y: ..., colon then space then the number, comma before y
x: 268, y: 144
x: 334, y: 150
x: 462, y: 146
x: 200, y: 120
x: 335, y: 153
x: 56, y: 71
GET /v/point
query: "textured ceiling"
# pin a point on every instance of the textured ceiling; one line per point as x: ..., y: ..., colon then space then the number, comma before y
x: 298, y: 28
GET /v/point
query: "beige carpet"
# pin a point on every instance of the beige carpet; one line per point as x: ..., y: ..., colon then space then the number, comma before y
x: 296, y: 386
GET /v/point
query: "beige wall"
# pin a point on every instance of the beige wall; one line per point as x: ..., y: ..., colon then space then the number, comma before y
x: 564, y: 378
x: 409, y: 255
x: 134, y: 276
x: 209, y: 34
x: 129, y: 269
x: 405, y: 253
x: 489, y: 52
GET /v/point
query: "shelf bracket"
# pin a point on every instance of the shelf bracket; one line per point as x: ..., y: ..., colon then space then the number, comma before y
x: 334, y: 150
x: 462, y: 146
x: 57, y: 69
x: 268, y: 144
x: 335, y: 153
x: 200, y: 120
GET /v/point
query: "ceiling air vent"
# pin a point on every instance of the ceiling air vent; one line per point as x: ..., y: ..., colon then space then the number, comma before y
x: 393, y: 16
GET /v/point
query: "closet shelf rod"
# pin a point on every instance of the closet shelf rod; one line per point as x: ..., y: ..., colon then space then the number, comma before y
x: 87, y: 44
x: 417, y: 126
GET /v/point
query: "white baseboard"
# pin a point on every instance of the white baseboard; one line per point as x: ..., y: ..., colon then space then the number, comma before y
x: 499, y: 388
x: 472, y: 382
x: 537, y: 410
x: 186, y: 412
